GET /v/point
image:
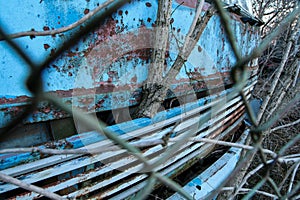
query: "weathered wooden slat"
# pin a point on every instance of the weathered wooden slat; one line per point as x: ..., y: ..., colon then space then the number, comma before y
x: 68, y: 168
x: 200, y: 149
x: 86, y: 178
x: 172, y: 165
x: 167, y: 116
x: 189, y: 157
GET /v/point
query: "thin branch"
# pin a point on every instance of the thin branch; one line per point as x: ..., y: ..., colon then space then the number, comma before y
x: 138, y: 144
x: 267, y: 41
x: 245, y: 179
x: 279, y: 100
x: 279, y: 72
x: 63, y: 29
x: 198, y: 25
x: 190, y: 42
x: 18, y: 50
x: 29, y: 187
x: 246, y: 190
x: 273, y: 185
x: 293, y: 177
x: 285, y: 126
x: 35, y: 84
x: 287, y: 174
x: 293, y: 192
x: 288, y: 145
x: 277, y: 115
x: 154, y: 91
x: 231, y: 144
x: 297, y: 74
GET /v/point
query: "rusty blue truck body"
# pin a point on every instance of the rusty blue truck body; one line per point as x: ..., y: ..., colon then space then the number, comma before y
x: 102, y: 75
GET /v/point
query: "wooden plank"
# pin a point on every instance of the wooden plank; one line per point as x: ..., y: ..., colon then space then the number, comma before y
x: 224, y: 114
x: 172, y: 165
x: 172, y: 116
x: 141, y: 182
x: 87, y: 177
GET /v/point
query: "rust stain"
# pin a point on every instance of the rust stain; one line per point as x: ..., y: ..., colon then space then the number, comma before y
x: 19, y: 99
x: 99, y: 103
x: 199, y: 48
x: 46, y: 46
x: 71, y: 54
x: 86, y: 11
x: 193, y: 4
x: 46, y: 28
x: 56, y: 67
x: 105, y: 31
x: 223, y: 43
x: 172, y: 21
x: 52, y: 52
x: 134, y: 79
x: 188, y: 3
x: 46, y: 110
x: 148, y: 4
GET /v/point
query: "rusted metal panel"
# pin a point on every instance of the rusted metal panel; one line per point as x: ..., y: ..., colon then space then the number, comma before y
x: 111, y: 63
x: 105, y: 71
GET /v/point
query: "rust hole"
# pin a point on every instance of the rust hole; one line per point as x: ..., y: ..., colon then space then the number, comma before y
x: 46, y: 46
x: 86, y: 11
x: 46, y: 28
x: 198, y: 187
x: 148, y: 4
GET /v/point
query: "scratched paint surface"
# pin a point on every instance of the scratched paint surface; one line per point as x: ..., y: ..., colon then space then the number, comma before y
x: 105, y: 69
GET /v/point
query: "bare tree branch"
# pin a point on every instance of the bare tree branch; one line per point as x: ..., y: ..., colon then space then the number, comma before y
x: 247, y: 190
x: 63, y: 29
x: 153, y: 91
x: 29, y: 187
x: 285, y: 126
x: 297, y: 74
x: 278, y: 73
x: 293, y: 177
x: 198, y: 25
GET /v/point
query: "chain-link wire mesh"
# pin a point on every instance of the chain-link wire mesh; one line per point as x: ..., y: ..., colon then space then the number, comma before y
x: 239, y: 74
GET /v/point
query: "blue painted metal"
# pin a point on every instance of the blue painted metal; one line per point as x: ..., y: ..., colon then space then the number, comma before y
x: 104, y: 71
x: 109, y: 85
x: 209, y: 180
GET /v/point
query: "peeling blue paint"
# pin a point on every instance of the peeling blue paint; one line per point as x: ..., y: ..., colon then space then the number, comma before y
x: 62, y: 76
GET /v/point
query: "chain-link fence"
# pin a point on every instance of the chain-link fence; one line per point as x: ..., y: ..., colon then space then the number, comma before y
x: 117, y: 149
